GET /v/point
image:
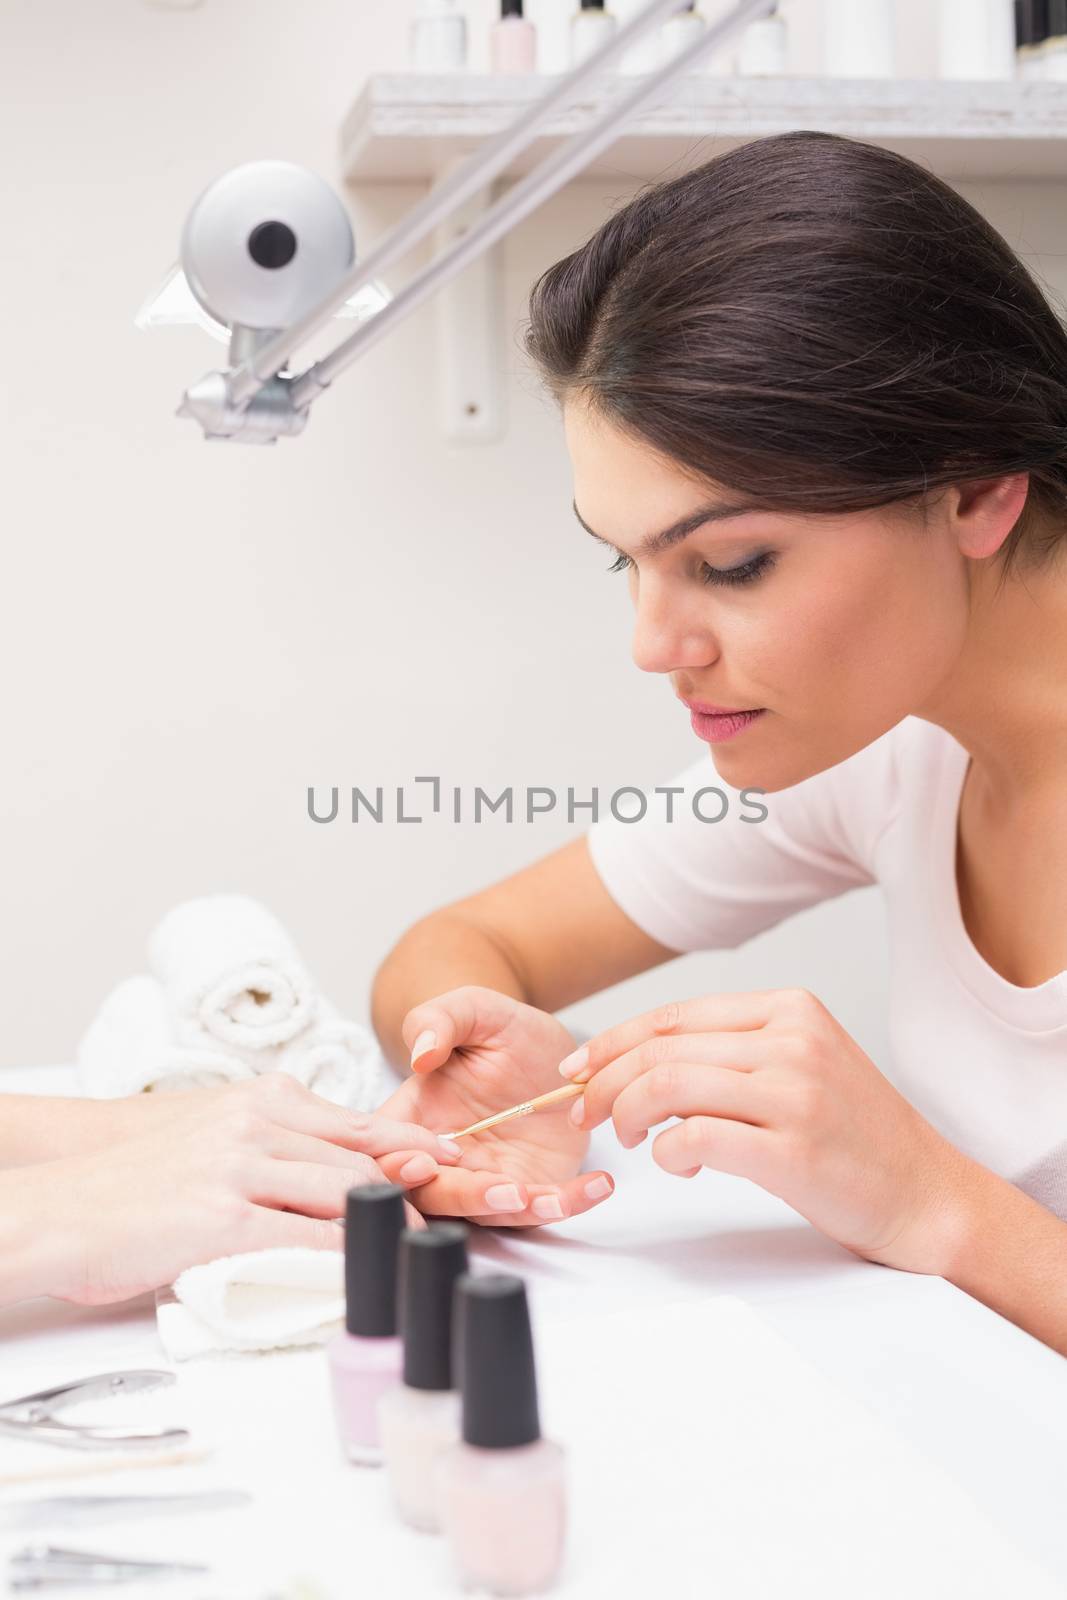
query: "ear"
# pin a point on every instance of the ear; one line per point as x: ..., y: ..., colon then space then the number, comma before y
x: 987, y: 509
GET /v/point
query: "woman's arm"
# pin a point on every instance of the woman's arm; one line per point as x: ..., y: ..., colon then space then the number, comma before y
x: 209, y: 1173
x: 1011, y: 1253
x: 548, y: 935
x: 46, y: 1128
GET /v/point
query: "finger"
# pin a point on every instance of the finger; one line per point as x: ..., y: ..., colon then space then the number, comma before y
x: 556, y: 1203
x: 469, y: 1015
x: 275, y: 1230
x: 319, y: 1152
x: 735, y: 1147
x: 740, y: 1053
x: 733, y: 1012
x: 455, y: 1192
x: 295, y: 1108
x: 307, y: 1187
x: 682, y: 1089
x: 411, y: 1168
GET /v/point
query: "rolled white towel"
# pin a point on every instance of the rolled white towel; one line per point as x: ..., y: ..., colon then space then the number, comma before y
x: 231, y: 975
x: 339, y: 1060
x: 265, y: 1300
x: 129, y: 1048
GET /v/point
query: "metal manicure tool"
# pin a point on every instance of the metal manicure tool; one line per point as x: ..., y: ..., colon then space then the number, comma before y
x: 45, y: 1566
x: 81, y: 1509
x: 33, y: 1417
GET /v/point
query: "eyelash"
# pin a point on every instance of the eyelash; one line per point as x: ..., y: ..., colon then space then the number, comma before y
x: 720, y: 577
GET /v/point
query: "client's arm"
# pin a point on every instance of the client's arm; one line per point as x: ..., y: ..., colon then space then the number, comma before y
x: 190, y: 1177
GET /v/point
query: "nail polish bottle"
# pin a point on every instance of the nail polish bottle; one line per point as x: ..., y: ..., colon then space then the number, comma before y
x: 1056, y: 44
x: 501, y: 1488
x: 513, y: 40
x: 365, y: 1360
x: 438, y: 38
x: 858, y: 40
x: 420, y: 1417
x: 763, y: 49
x: 684, y: 28
x: 590, y: 28
x: 976, y: 39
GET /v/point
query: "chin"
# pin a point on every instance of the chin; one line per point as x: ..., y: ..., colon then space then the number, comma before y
x: 741, y: 769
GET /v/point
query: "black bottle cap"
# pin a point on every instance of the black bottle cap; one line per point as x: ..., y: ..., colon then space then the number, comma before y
x: 1032, y: 22
x: 374, y: 1221
x: 495, y: 1362
x: 431, y: 1260
x: 511, y: 8
x: 592, y: 5
x: 1057, y: 19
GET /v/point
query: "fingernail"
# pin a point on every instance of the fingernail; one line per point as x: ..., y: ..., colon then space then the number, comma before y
x: 423, y: 1044
x: 573, y: 1064
x: 503, y: 1197
x: 598, y: 1188
x: 578, y: 1111
x: 451, y: 1146
x: 548, y: 1206
x: 420, y: 1166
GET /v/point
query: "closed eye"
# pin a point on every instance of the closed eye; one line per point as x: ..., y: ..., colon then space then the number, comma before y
x: 723, y: 577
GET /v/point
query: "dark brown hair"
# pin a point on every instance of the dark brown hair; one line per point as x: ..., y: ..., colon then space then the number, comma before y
x: 821, y: 325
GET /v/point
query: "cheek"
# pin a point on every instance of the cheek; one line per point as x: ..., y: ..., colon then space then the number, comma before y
x: 877, y: 634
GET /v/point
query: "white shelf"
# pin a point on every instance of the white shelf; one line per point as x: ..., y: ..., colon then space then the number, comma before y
x: 410, y: 127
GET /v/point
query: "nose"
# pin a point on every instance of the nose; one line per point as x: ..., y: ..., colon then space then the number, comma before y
x: 669, y: 632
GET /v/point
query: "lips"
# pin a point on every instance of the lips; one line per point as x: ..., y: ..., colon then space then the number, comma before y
x: 716, y: 726
x: 705, y: 709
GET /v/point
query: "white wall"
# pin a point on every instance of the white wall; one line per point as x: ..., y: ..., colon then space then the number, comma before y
x: 190, y: 635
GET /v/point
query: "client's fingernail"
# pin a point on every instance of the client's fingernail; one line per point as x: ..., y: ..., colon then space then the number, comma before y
x: 423, y: 1045
x: 548, y: 1206
x: 598, y: 1188
x: 451, y: 1146
x: 578, y: 1111
x: 419, y: 1167
x: 503, y: 1197
x: 571, y: 1065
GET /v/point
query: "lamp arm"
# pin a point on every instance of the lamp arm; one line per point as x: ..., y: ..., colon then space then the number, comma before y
x: 546, y: 179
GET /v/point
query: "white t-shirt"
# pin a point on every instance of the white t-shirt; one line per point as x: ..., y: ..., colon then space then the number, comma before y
x: 982, y: 1059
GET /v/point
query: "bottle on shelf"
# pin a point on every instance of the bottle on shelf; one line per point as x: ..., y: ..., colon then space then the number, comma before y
x: 976, y: 39
x: 513, y: 40
x: 681, y: 30
x: 1031, y: 33
x: 438, y: 38
x: 859, y: 40
x: 590, y: 28
x: 1055, y: 48
x: 762, y: 53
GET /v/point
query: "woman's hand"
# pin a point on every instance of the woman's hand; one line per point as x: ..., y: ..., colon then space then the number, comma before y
x: 211, y: 1172
x: 477, y: 1051
x: 770, y: 1087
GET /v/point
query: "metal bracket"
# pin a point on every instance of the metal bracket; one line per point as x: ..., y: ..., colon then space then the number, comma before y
x: 470, y: 322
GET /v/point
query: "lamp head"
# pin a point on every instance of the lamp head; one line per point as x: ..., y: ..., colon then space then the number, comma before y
x: 265, y: 244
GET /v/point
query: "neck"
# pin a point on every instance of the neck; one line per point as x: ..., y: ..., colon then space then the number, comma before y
x: 1005, y: 698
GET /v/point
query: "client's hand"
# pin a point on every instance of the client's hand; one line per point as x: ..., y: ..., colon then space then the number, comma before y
x: 212, y: 1172
x: 488, y: 1052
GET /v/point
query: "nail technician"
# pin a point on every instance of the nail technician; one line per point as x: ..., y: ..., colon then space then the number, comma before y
x: 817, y: 409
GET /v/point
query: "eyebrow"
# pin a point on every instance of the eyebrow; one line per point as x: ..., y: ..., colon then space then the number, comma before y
x: 655, y: 542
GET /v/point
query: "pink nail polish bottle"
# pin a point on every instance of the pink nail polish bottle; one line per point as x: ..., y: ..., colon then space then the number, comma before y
x: 365, y: 1360
x: 420, y: 1417
x: 501, y: 1488
x: 513, y: 40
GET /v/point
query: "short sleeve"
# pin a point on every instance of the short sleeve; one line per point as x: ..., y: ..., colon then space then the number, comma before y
x: 725, y: 864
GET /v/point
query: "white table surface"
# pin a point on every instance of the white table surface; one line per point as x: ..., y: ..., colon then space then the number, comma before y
x: 969, y: 1392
